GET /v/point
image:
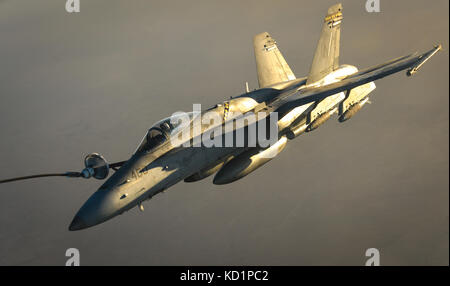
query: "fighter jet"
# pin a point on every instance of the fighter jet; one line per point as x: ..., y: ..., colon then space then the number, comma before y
x: 301, y: 105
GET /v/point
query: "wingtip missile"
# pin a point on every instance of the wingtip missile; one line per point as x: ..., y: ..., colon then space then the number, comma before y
x: 425, y: 57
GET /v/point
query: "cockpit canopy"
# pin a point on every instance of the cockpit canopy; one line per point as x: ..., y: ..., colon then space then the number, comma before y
x: 161, y: 131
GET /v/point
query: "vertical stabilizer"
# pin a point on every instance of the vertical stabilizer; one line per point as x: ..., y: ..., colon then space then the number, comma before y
x: 326, y: 58
x: 270, y: 64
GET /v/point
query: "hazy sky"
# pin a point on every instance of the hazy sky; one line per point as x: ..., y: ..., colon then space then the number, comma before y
x: 72, y: 84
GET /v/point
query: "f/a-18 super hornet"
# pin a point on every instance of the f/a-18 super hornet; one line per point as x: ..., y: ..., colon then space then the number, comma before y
x: 301, y: 105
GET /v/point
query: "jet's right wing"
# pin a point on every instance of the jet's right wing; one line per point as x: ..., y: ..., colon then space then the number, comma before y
x: 306, y: 95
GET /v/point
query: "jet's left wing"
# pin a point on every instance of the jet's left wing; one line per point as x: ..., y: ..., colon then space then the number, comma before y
x: 310, y: 94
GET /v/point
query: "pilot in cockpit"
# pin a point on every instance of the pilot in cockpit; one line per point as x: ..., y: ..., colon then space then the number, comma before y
x: 160, y: 133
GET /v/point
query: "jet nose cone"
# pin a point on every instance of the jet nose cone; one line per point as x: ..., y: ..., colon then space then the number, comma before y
x: 101, y: 206
x: 77, y: 223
